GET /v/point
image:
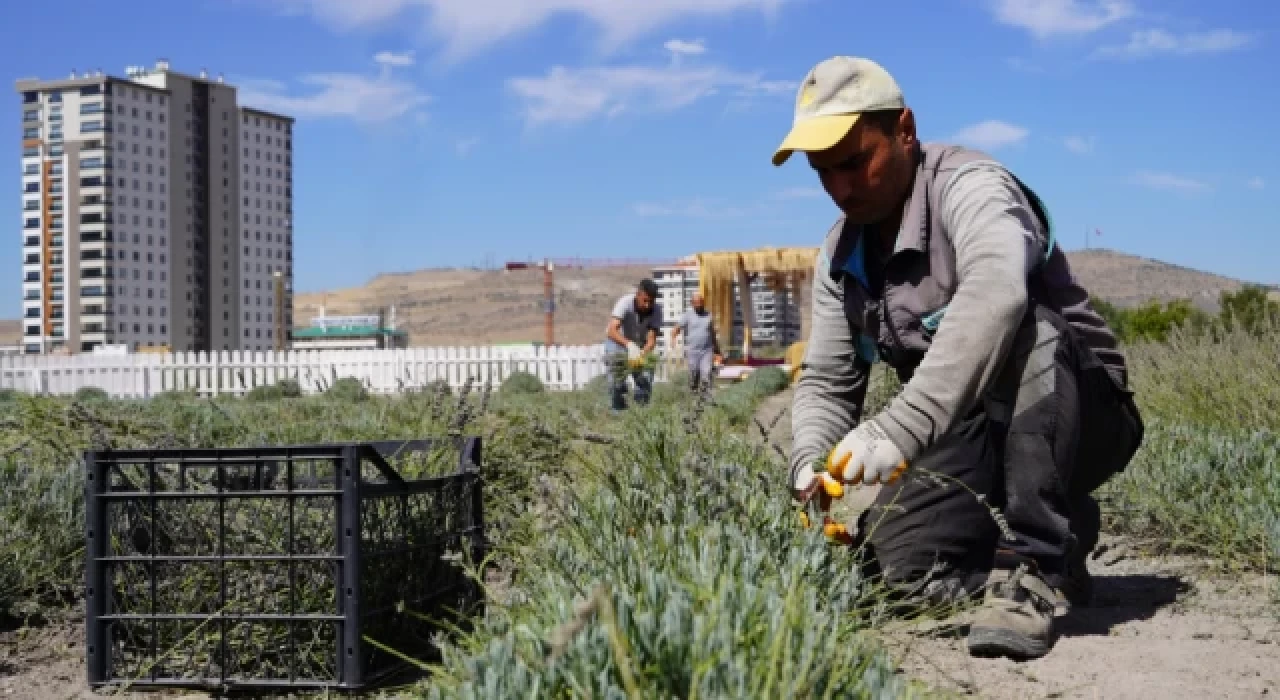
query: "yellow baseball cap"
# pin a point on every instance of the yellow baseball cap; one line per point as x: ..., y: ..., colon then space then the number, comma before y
x: 832, y: 97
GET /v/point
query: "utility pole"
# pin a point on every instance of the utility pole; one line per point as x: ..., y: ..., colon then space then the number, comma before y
x: 548, y: 293
x: 277, y: 279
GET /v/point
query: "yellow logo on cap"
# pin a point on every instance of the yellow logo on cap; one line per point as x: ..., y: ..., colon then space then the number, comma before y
x: 806, y: 96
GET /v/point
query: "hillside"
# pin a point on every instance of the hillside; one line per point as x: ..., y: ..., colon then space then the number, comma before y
x: 476, y: 307
x: 466, y: 307
x: 443, y: 307
x: 1114, y: 276
x: 10, y: 332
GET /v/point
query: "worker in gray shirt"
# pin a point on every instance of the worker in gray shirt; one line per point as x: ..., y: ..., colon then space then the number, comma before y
x: 631, y: 335
x: 943, y: 266
x: 701, y: 351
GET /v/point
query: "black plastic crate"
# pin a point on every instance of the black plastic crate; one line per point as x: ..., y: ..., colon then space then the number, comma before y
x: 306, y: 566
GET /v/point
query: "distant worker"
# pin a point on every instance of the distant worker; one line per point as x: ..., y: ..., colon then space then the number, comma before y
x: 943, y: 266
x: 701, y: 351
x: 629, y: 340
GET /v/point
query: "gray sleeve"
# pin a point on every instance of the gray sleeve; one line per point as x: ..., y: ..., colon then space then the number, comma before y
x: 833, y: 379
x: 997, y: 237
x: 622, y: 307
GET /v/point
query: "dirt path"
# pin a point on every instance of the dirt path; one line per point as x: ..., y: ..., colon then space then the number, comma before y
x: 46, y: 662
x: 1158, y: 628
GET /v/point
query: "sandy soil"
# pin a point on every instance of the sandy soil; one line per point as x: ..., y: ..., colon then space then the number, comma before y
x: 1159, y: 627
x: 46, y: 662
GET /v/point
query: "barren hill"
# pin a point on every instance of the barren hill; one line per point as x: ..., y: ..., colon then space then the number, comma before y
x: 469, y: 307
x: 1115, y: 277
x: 10, y: 332
x: 447, y: 307
x: 477, y: 307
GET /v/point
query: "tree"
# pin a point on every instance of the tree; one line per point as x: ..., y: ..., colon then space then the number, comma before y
x: 1251, y: 308
x: 1152, y: 321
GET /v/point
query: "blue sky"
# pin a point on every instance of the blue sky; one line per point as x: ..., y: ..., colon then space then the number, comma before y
x: 450, y: 132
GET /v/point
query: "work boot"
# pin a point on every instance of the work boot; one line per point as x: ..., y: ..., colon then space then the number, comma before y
x: 1077, y: 586
x: 1016, y: 617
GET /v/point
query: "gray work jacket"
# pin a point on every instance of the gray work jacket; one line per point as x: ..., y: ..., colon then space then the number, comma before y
x: 975, y: 248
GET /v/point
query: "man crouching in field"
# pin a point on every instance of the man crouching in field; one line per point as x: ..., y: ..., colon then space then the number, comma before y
x: 636, y: 319
x: 943, y: 266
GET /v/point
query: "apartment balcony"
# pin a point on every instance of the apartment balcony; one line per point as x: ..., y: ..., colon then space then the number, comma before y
x: 99, y: 320
x: 95, y: 239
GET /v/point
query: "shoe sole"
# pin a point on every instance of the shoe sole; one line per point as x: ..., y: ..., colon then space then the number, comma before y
x: 988, y: 642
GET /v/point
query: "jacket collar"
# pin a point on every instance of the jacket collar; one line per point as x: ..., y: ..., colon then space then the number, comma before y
x: 913, y: 233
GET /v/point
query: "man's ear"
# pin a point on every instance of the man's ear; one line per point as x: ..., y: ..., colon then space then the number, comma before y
x: 907, y: 126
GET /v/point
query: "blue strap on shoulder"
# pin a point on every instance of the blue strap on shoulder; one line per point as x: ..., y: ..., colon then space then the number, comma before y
x: 856, y: 265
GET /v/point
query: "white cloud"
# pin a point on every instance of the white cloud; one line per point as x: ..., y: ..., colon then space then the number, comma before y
x: 682, y: 47
x: 1256, y: 183
x: 392, y: 59
x: 1047, y: 18
x: 1079, y: 144
x: 465, y: 146
x: 1150, y: 42
x: 992, y: 134
x: 465, y: 27
x: 799, y: 193
x: 697, y: 208
x: 1168, y: 181
x: 367, y: 99
x: 570, y: 95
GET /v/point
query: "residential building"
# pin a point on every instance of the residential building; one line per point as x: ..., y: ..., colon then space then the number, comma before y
x: 777, y: 316
x: 155, y: 210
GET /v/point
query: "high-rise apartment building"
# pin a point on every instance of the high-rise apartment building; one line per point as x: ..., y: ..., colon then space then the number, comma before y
x: 777, y: 315
x: 156, y: 212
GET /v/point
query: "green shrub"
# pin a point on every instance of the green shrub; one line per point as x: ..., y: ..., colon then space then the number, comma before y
x: 91, y: 393
x: 348, y: 389
x: 1205, y: 479
x: 283, y: 389
x: 1250, y: 309
x: 739, y: 400
x: 598, y: 385
x: 1205, y: 491
x: 662, y: 569
x: 438, y: 387
x: 521, y: 382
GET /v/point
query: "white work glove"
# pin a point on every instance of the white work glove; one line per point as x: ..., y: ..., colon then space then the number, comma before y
x: 633, y: 350
x: 806, y: 485
x: 866, y: 455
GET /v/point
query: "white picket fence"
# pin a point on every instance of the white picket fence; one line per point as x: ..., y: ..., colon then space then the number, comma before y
x: 144, y: 375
